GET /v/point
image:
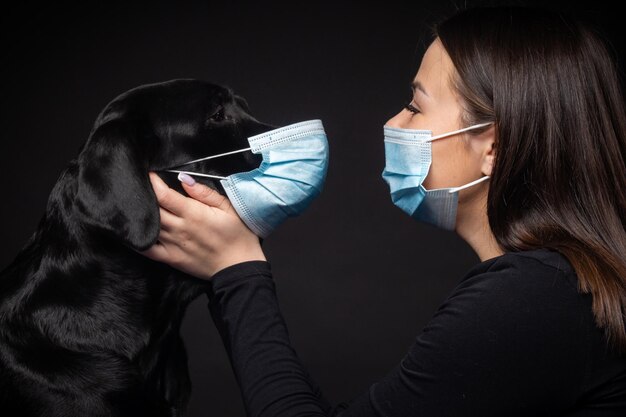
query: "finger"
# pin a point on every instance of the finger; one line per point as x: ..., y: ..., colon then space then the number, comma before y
x: 205, y: 194
x: 169, y: 221
x: 169, y: 199
x: 156, y: 252
x: 166, y: 237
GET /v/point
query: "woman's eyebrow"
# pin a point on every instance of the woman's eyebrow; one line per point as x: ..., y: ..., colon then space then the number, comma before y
x: 416, y: 85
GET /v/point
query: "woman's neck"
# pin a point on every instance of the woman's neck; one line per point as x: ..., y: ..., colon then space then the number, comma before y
x: 473, y: 225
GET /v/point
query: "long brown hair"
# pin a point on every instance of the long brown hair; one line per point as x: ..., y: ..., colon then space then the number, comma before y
x: 550, y: 84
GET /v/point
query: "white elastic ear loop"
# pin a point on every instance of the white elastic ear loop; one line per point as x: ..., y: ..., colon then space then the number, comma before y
x: 197, y: 174
x: 454, y: 132
x: 462, y: 187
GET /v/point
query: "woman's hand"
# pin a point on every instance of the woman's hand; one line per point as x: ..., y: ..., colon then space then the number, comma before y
x: 200, y: 235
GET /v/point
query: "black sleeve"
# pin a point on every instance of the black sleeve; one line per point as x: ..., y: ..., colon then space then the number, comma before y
x: 272, y: 380
x: 501, y: 344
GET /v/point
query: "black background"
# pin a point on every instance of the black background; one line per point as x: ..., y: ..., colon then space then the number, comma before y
x: 356, y: 278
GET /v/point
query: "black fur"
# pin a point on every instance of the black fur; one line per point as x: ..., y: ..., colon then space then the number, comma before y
x: 89, y: 327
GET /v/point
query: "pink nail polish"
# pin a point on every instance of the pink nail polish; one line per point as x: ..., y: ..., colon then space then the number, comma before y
x: 186, y: 178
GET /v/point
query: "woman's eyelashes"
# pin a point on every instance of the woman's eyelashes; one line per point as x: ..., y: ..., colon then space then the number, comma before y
x: 410, y: 107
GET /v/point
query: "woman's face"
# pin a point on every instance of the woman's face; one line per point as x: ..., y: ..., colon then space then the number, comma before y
x: 438, y: 108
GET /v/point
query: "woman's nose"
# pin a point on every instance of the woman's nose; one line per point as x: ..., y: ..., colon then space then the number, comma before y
x: 400, y: 120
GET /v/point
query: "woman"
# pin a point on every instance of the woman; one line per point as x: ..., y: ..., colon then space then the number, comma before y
x: 537, y: 327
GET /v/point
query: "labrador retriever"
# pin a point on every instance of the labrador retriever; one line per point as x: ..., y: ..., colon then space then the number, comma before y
x: 88, y: 326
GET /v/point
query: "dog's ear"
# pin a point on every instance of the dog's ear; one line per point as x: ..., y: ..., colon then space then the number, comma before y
x: 114, y: 192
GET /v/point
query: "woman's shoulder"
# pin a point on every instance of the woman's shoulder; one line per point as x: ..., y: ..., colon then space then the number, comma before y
x: 533, y: 293
x: 546, y: 257
x: 528, y: 283
x: 534, y: 270
x: 518, y: 317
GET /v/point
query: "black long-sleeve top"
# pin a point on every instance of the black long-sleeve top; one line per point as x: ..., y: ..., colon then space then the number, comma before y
x: 514, y: 338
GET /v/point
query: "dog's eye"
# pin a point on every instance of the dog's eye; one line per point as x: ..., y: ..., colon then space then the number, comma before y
x: 218, y: 116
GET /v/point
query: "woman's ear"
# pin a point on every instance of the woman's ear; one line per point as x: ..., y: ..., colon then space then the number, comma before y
x: 488, y: 159
x: 488, y: 151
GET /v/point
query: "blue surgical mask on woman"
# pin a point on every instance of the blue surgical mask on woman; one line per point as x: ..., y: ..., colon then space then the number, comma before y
x: 408, y: 156
x: 291, y: 176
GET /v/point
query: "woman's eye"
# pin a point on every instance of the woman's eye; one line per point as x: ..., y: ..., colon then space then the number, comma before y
x: 411, y: 108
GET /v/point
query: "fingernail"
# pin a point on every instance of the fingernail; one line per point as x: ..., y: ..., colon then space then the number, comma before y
x: 186, y: 178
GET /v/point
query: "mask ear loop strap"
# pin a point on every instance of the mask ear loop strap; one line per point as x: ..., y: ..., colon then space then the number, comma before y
x: 197, y: 174
x: 214, y: 156
x: 462, y: 187
x: 454, y: 132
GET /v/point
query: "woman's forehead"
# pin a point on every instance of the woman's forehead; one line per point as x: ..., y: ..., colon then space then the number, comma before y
x: 435, y: 71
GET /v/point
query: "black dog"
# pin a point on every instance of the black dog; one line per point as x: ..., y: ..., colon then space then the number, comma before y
x: 89, y: 327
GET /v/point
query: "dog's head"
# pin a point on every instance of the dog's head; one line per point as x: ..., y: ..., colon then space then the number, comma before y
x: 151, y: 128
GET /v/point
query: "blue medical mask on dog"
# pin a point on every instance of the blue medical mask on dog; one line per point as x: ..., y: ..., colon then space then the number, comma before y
x: 408, y: 156
x: 291, y: 175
